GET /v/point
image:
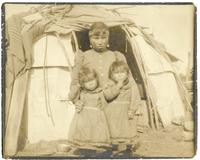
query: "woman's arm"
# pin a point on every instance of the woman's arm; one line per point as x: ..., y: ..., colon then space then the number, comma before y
x: 75, y: 86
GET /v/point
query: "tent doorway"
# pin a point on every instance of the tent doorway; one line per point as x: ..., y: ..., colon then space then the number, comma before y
x: 117, y: 42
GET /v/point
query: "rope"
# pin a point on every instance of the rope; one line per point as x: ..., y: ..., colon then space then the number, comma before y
x: 46, y: 88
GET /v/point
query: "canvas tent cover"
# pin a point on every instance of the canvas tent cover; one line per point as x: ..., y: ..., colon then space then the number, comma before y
x: 29, y: 74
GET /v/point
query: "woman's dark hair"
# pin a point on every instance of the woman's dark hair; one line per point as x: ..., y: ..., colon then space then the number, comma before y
x: 98, y: 28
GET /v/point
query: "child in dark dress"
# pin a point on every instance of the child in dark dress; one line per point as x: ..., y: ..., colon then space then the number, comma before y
x: 123, y: 101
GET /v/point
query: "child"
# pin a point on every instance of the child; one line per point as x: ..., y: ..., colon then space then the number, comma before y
x: 89, y: 129
x: 123, y: 100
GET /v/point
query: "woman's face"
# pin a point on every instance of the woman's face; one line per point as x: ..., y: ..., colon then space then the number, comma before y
x: 99, y: 42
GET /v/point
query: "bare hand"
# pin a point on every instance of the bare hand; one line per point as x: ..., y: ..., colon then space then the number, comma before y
x: 130, y: 114
x: 78, y: 109
x: 100, y: 104
x: 120, y: 84
x: 138, y: 111
x: 79, y: 106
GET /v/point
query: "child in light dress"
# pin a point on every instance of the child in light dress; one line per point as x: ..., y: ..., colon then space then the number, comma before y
x: 89, y: 129
x: 123, y: 100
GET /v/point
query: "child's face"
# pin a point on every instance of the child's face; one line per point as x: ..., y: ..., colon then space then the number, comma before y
x: 120, y: 76
x: 91, y: 85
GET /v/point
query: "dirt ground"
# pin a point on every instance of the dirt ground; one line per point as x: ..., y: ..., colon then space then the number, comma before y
x: 163, y: 143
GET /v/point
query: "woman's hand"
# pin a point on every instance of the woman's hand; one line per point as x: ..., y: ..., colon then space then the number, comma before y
x: 130, y: 114
x: 79, y: 106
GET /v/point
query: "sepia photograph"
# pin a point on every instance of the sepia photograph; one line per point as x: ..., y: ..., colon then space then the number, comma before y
x: 104, y: 80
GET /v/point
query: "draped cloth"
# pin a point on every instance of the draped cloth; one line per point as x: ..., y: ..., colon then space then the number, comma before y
x: 15, y: 55
x: 161, y: 75
x: 18, y: 60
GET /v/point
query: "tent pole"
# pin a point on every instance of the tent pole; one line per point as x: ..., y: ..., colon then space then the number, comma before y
x: 75, y: 40
x: 188, y: 67
x: 12, y: 128
x: 151, y: 100
x: 7, y: 107
x: 46, y: 90
x: 180, y: 84
x: 152, y: 110
x: 141, y: 71
x: 152, y: 103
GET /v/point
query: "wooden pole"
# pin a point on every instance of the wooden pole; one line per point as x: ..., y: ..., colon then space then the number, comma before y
x: 184, y: 94
x: 145, y: 81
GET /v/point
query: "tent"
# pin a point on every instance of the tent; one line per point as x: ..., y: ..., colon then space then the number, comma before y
x: 39, y: 63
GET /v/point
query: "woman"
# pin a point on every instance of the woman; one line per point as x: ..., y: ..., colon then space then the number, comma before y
x: 98, y: 58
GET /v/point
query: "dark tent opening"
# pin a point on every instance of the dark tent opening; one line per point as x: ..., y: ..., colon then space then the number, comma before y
x: 117, y: 42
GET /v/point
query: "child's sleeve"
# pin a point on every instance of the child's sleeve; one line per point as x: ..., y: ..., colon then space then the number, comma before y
x: 111, y: 91
x: 135, y: 98
x: 75, y: 86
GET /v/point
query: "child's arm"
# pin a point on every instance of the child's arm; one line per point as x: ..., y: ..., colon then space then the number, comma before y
x: 135, y: 101
x: 111, y: 91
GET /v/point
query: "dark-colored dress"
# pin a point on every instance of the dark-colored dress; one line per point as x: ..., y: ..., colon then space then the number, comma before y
x: 89, y: 128
x: 120, y: 101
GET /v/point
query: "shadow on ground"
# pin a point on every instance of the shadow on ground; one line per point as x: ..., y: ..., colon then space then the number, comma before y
x: 163, y: 143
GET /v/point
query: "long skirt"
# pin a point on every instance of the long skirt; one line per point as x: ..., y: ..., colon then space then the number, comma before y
x: 122, y: 129
x: 89, y: 129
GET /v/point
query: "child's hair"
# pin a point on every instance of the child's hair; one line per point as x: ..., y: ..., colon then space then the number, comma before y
x: 118, y: 66
x: 86, y: 75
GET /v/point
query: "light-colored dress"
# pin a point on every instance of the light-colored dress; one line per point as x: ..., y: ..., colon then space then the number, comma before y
x: 120, y: 101
x: 89, y: 127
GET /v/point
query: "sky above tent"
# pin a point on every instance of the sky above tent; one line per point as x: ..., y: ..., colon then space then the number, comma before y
x: 170, y: 24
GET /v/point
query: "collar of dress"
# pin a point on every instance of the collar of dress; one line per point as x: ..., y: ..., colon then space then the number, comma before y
x: 126, y: 86
x: 100, y: 53
x: 97, y: 90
